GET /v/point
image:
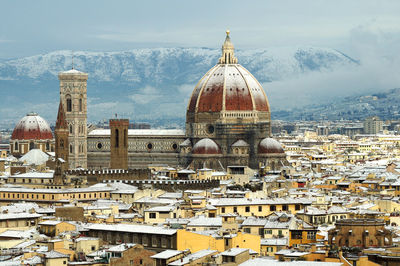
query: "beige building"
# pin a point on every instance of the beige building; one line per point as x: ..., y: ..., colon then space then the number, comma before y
x: 373, y: 125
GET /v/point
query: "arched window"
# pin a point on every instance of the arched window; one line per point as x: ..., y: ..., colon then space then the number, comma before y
x: 116, y: 138
x: 71, y: 149
x: 47, y: 146
x: 80, y: 105
x: 16, y: 146
x: 70, y: 129
x: 69, y: 103
x: 61, y: 143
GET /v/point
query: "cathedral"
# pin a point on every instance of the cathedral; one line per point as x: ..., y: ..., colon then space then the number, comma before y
x: 228, y: 123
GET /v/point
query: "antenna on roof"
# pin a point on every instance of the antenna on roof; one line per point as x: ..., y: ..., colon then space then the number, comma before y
x: 72, y: 59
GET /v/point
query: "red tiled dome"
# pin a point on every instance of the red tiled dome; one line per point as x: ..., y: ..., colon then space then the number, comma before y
x: 228, y: 87
x: 32, y: 126
x: 206, y: 146
x: 270, y: 145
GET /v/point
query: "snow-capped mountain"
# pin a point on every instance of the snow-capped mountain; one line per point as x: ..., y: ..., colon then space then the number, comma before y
x: 144, y: 83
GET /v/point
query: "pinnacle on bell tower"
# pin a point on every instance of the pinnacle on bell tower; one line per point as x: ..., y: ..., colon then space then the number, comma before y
x: 228, y: 51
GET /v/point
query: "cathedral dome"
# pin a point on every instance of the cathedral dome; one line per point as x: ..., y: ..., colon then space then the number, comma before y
x: 270, y: 145
x: 228, y: 87
x: 206, y: 146
x: 32, y: 126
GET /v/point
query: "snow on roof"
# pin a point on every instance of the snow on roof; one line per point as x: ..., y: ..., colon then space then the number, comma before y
x: 168, y: 208
x: 34, y: 156
x: 233, y: 251
x: 13, y: 216
x: 255, y: 201
x: 205, y: 221
x: 86, y: 238
x: 166, y: 254
x: 34, y: 175
x: 254, y: 221
x: 141, y: 132
x: 274, y: 242
x: 269, y: 262
x: 54, y: 254
x: 121, y: 247
x: 18, y: 233
x: 58, y: 191
x: 72, y: 71
x: 50, y: 222
x: 192, y: 257
x: 25, y: 244
x: 145, y: 229
x: 240, y: 143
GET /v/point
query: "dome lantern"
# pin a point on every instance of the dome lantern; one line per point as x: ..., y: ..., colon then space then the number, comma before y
x: 228, y: 52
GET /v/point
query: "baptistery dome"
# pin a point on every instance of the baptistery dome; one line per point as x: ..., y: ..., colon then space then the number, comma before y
x: 30, y: 127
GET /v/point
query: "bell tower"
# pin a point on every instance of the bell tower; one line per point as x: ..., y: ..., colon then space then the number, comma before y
x: 73, y: 96
x: 119, y: 143
x: 61, y: 146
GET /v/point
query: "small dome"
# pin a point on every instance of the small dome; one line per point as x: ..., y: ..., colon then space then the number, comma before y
x: 32, y: 126
x: 240, y: 143
x: 35, y: 156
x: 270, y: 145
x: 206, y: 146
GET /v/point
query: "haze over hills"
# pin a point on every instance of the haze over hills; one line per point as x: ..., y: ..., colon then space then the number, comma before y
x: 385, y: 104
x: 148, y: 84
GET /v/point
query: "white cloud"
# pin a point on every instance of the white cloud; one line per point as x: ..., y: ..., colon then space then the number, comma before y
x: 146, y: 95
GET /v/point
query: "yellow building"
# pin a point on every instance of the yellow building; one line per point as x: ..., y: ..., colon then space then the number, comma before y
x: 196, y: 242
x: 52, y: 196
x: 87, y: 245
x: 54, y: 258
x: 21, y: 221
x: 269, y: 246
x: 54, y: 228
x: 258, y: 207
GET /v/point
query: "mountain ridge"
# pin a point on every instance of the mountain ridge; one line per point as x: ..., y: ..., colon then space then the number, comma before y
x: 145, y: 84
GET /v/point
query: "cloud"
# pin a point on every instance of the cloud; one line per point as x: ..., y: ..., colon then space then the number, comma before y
x: 377, y: 50
x: 186, y: 89
x: 146, y: 95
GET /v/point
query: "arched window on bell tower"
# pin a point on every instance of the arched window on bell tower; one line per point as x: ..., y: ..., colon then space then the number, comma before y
x: 80, y: 105
x: 69, y: 103
x: 70, y: 129
x: 71, y: 148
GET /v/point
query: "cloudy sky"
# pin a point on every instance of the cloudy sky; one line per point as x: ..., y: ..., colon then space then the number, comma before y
x: 366, y: 30
x: 31, y: 27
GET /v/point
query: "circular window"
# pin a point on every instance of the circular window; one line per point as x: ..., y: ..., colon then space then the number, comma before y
x: 210, y: 129
x: 149, y: 146
x: 99, y: 145
x: 174, y: 146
